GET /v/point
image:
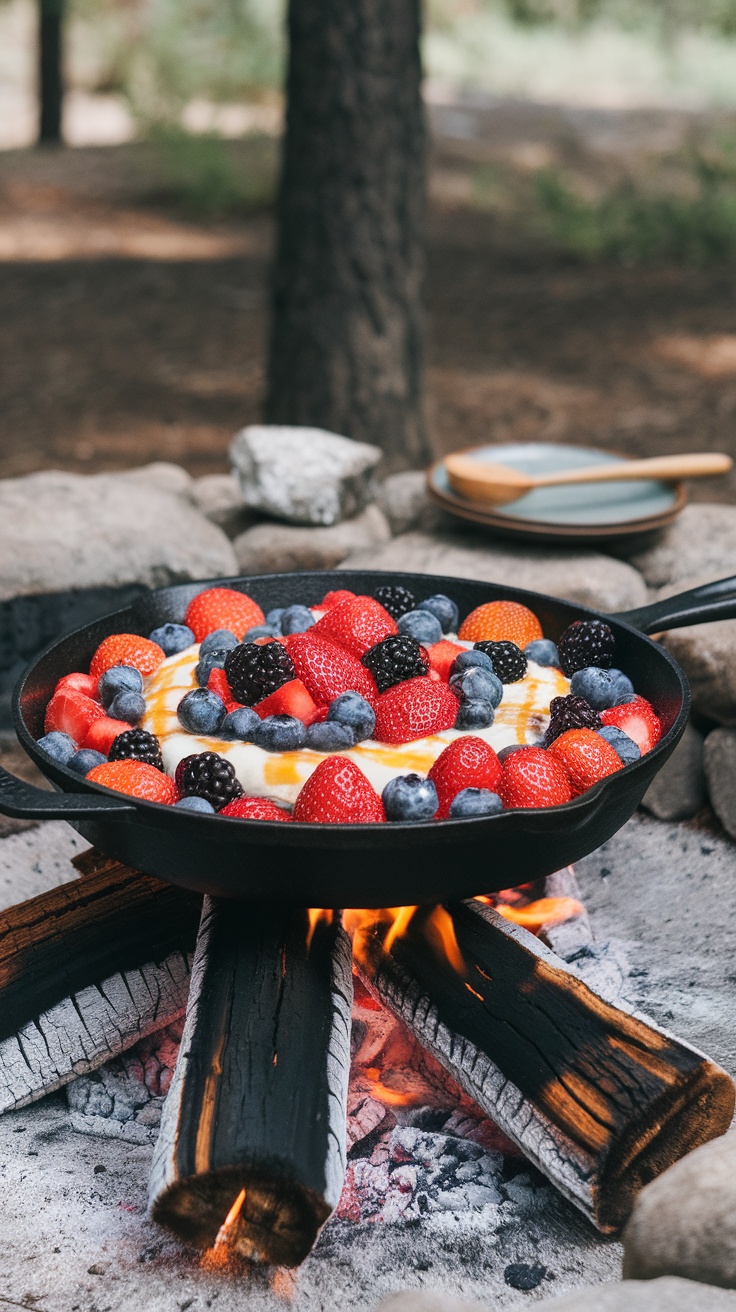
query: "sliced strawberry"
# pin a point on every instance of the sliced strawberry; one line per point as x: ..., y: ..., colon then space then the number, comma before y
x: 533, y: 777
x: 639, y: 720
x: 291, y: 698
x: 218, y: 683
x: 73, y: 713
x: 413, y: 709
x: 254, y: 808
x: 326, y: 670
x: 78, y: 683
x: 338, y: 793
x: 468, y: 762
x: 356, y: 624
x: 102, y: 733
x: 441, y: 655
x: 137, y: 779
x: 585, y: 757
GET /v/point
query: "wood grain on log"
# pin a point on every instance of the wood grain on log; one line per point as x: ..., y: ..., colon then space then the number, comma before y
x: 260, y: 1089
x: 600, y: 1099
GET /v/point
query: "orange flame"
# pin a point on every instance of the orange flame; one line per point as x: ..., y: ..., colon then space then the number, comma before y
x: 219, y: 1254
x: 545, y: 911
x: 316, y: 914
x: 436, y: 926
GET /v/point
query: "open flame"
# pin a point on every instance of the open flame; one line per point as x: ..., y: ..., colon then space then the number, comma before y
x: 219, y: 1254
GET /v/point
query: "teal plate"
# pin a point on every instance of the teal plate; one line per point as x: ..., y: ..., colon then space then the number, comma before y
x: 584, y: 510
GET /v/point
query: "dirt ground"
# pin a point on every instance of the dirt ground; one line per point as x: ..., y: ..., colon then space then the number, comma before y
x: 130, y: 333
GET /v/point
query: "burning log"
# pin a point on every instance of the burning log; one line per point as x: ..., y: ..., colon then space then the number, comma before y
x: 86, y: 970
x: 257, y: 1103
x: 598, y: 1098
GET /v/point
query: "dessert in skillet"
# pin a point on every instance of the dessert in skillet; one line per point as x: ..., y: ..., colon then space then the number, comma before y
x: 362, y: 709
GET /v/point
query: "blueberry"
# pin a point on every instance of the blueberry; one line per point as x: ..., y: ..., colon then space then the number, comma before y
x: 476, y: 684
x: 543, y: 651
x: 214, y: 659
x: 354, y: 711
x: 217, y: 640
x: 329, y: 736
x: 626, y: 748
x: 121, y: 678
x: 241, y: 723
x: 201, y: 711
x: 274, y: 617
x: 296, y: 619
x: 475, y: 802
x: 261, y: 631
x: 85, y: 760
x: 471, y: 660
x: 422, y: 625
x: 195, y: 804
x: 601, y: 688
x: 512, y: 747
x: 280, y: 733
x: 475, y: 715
x: 128, y: 706
x: 410, y: 797
x: 172, y: 638
x: 444, y: 609
x: 59, y: 746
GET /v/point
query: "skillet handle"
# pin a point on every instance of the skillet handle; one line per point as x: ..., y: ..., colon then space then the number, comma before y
x: 24, y: 801
x: 711, y: 601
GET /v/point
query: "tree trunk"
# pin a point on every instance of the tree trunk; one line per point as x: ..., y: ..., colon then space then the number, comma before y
x: 50, y: 72
x: 347, y: 339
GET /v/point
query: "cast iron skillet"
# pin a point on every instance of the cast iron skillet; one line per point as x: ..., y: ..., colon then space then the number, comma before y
x: 357, y: 865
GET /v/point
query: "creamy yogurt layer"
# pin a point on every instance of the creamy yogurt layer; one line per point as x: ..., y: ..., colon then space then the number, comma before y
x: 521, y: 718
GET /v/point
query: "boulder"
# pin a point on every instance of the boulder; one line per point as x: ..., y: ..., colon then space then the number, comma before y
x: 304, y: 475
x: 679, y: 790
x: 164, y: 475
x: 720, y: 773
x: 666, y: 1295
x: 701, y: 542
x: 60, y: 531
x: 684, y: 1222
x: 219, y: 498
x: 272, y: 548
x: 706, y: 654
x: 587, y: 577
x: 404, y: 501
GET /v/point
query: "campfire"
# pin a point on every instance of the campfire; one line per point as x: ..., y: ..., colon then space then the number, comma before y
x: 378, y: 1064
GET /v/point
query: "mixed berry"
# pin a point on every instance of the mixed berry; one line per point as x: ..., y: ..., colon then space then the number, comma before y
x: 352, y: 675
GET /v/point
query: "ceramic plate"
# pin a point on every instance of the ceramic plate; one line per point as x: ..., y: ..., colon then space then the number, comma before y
x: 596, y: 510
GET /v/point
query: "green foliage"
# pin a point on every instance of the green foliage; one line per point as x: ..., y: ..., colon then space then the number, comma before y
x: 212, y: 178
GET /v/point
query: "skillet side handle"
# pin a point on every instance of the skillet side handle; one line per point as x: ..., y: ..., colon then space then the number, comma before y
x: 711, y: 601
x: 23, y: 801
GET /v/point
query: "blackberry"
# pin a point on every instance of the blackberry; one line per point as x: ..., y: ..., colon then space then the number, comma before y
x: 395, y: 659
x: 137, y: 745
x: 508, y: 660
x: 395, y: 599
x: 255, y: 672
x: 584, y: 643
x: 207, y: 775
x: 569, y: 712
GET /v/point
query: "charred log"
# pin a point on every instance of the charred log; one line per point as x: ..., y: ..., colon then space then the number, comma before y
x: 258, y: 1098
x: 598, y: 1098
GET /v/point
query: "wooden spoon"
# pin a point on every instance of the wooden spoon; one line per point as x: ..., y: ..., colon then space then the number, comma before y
x: 494, y: 485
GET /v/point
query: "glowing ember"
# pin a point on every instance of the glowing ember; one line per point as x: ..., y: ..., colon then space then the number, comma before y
x: 219, y: 1254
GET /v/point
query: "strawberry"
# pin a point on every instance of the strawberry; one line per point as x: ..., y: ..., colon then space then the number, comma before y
x: 639, y: 720
x: 326, y: 670
x: 338, y: 793
x: 533, y: 778
x: 218, y: 683
x: 137, y: 779
x: 222, y: 608
x: 126, y: 649
x: 331, y: 599
x: 468, y: 762
x: 73, y: 713
x: 501, y: 621
x: 102, y: 733
x: 78, y: 683
x: 357, y: 624
x: 254, y: 808
x: 441, y: 655
x: 585, y: 757
x: 291, y: 698
x: 414, y: 708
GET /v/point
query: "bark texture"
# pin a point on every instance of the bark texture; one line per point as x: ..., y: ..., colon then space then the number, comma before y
x: 347, y: 339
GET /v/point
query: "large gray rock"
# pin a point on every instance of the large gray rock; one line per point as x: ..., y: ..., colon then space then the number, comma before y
x: 701, y: 542
x: 679, y: 790
x: 219, y: 498
x: 164, y: 475
x: 706, y: 654
x: 60, y: 531
x: 666, y: 1295
x: 720, y: 772
x: 272, y: 548
x: 404, y: 501
x: 684, y: 1223
x: 585, y: 576
x: 303, y: 475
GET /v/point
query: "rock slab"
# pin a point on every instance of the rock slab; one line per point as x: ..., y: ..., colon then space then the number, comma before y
x: 679, y: 790
x: 666, y: 1295
x: 303, y: 475
x: 701, y: 542
x: 404, y: 501
x: 720, y: 772
x: 589, y: 578
x: 274, y: 548
x: 706, y: 654
x: 684, y: 1223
